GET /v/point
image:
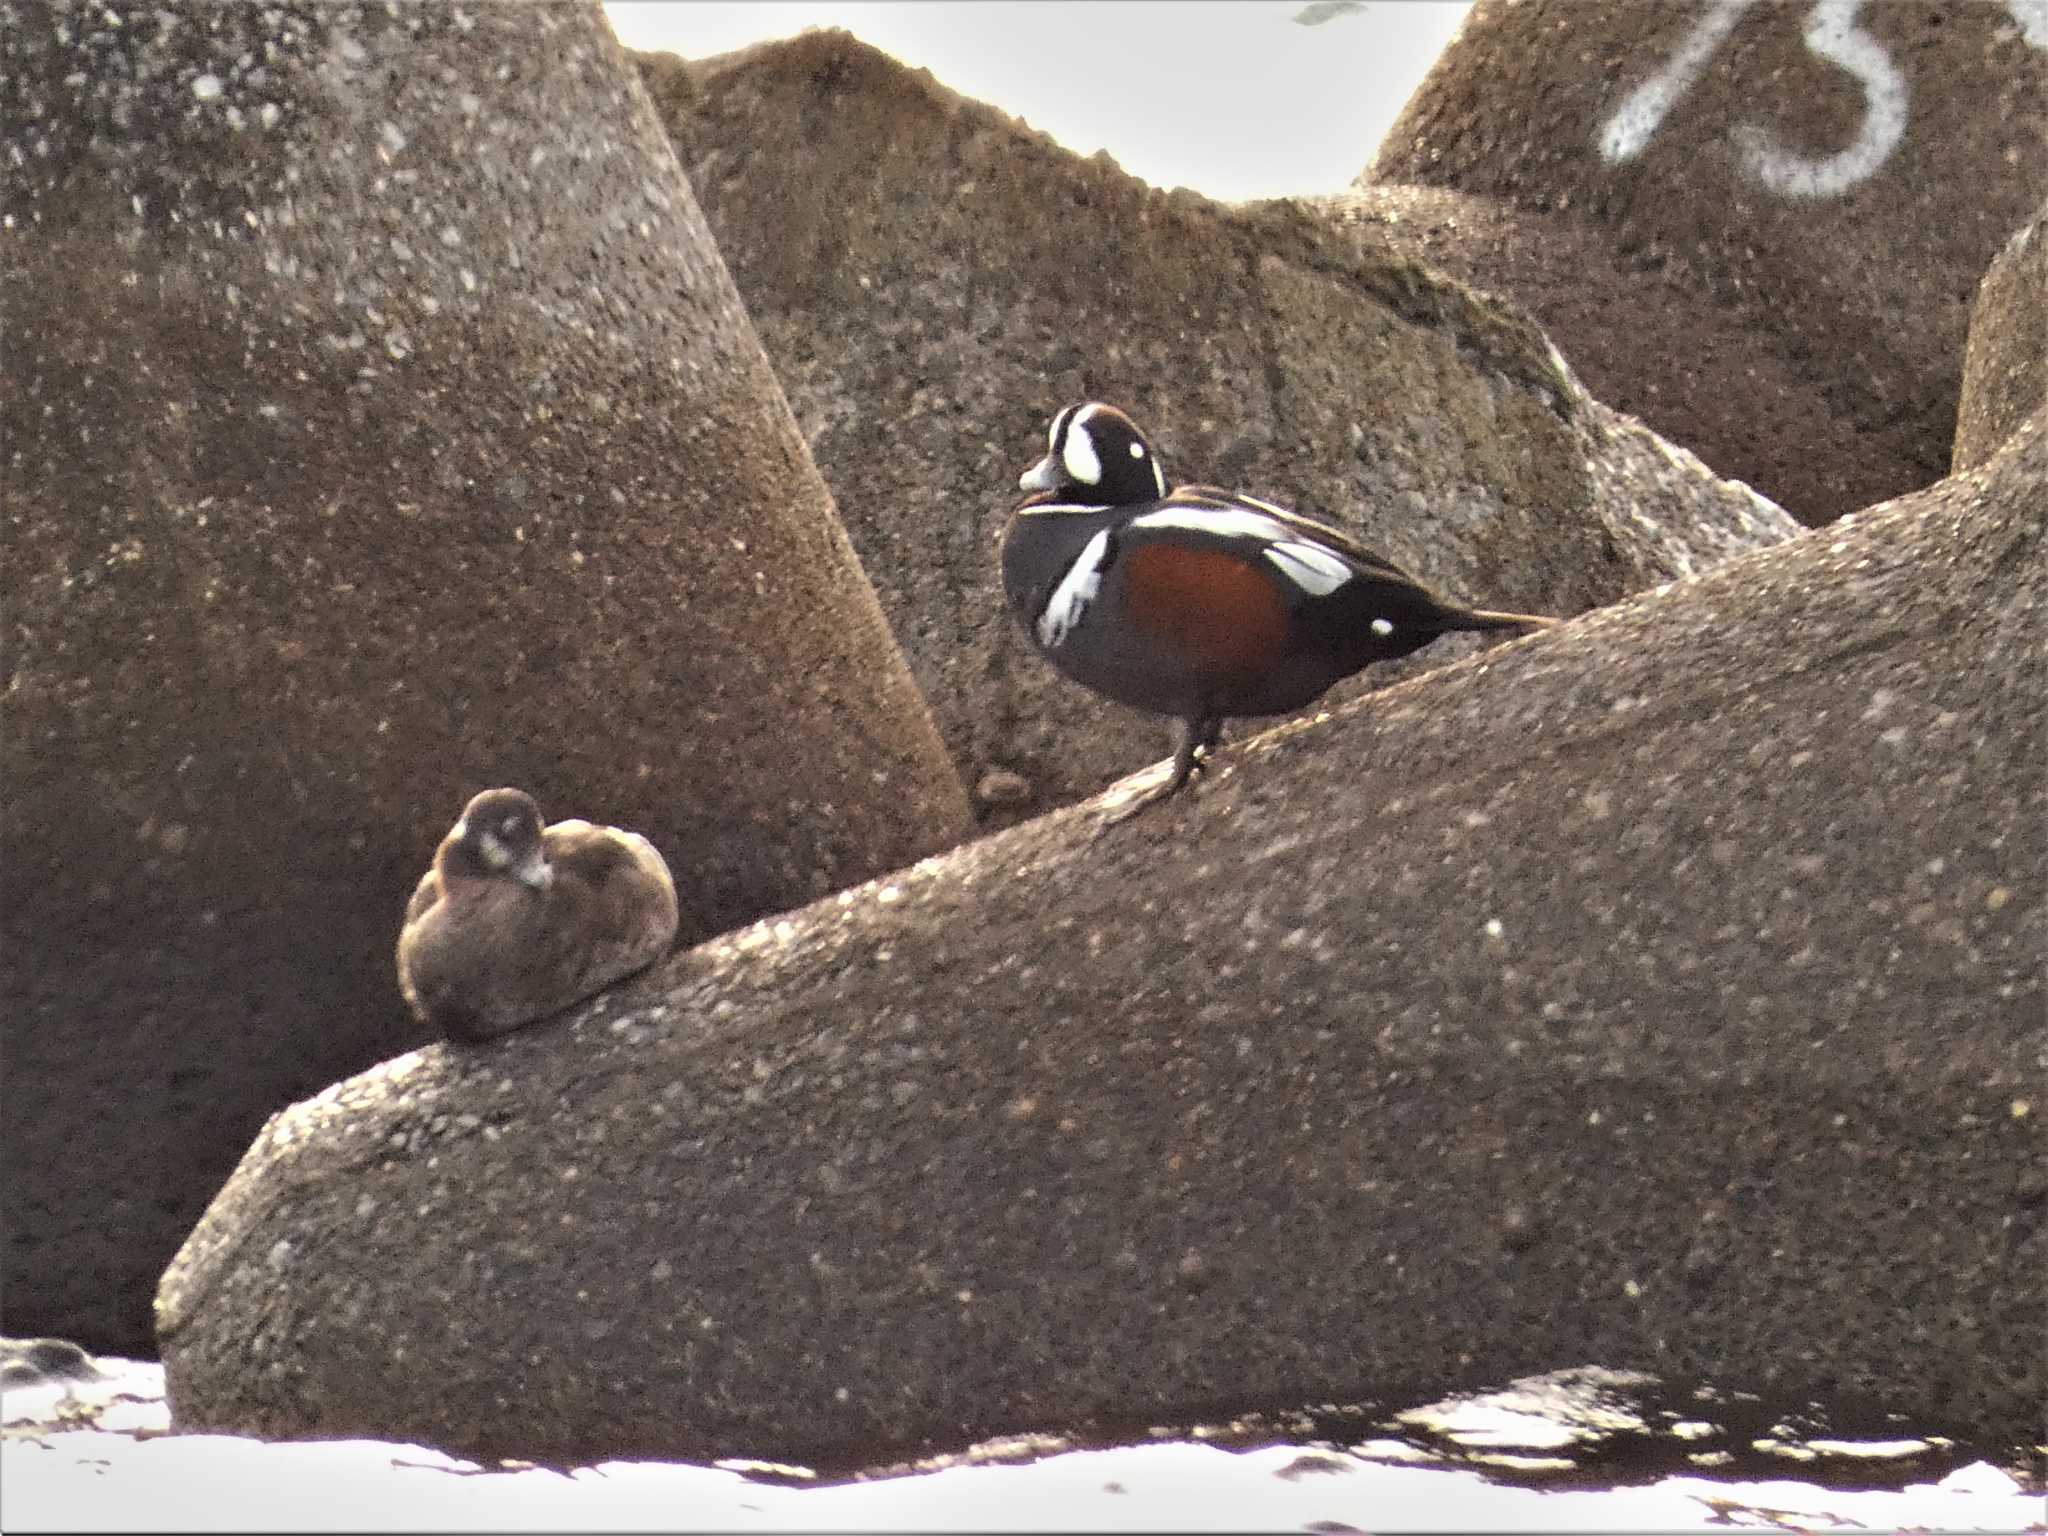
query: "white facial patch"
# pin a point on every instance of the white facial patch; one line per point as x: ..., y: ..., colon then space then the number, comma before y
x: 1077, y: 589
x: 1383, y: 626
x: 1082, y: 463
x: 1315, y: 570
x: 495, y: 853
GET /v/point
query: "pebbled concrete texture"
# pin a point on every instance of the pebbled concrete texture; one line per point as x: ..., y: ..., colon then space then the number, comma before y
x: 1832, y: 178
x: 1662, y: 991
x: 2005, y: 367
x: 1644, y: 334
x: 941, y: 279
x: 380, y: 425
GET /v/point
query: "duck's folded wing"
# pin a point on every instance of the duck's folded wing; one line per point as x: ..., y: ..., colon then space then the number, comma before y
x: 424, y: 895
x: 1339, y: 539
x: 1312, y: 561
x: 628, y: 884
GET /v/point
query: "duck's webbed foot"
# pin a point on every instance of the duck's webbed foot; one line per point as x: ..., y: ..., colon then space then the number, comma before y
x: 1197, y: 739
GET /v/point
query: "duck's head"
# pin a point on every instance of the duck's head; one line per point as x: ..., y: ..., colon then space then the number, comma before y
x: 499, y: 837
x: 1096, y: 454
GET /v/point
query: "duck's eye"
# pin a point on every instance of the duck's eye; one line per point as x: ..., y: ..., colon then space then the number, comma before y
x: 509, y: 826
x: 1137, y: 450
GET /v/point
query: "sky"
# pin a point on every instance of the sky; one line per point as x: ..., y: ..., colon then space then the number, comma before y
x: 1232, y: 98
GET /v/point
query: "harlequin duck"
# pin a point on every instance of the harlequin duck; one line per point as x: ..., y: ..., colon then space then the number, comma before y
x: 1199, y: 603
x: 515, y: 922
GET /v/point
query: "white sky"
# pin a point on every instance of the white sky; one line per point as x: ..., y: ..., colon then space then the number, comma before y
x: 1233, y: 98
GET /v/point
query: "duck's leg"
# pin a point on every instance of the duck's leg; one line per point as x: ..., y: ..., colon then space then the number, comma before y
x: 1195, y: 740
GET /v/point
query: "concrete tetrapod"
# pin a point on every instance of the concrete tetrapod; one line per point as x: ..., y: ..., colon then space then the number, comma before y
x: 2005, y: 376
x: 381, y: 425
x: 1662, y: 991
x: 1833, y: 178
x: 942, y: 279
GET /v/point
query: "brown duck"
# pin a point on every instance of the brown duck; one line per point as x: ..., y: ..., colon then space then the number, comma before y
x: 516, y: 921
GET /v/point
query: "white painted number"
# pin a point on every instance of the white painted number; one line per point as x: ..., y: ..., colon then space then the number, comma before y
x: 1833, y: 33
x: 1636, y: 119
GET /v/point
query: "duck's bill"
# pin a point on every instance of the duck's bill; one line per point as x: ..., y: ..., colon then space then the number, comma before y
x: 1042, y: 476
x: 534, y: 871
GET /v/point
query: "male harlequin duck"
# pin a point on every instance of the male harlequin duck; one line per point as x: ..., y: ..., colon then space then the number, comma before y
x: 1199, y: 603
x: 514, y: 922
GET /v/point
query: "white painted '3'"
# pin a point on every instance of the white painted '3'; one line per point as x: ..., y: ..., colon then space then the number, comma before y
x: 1832, y: 32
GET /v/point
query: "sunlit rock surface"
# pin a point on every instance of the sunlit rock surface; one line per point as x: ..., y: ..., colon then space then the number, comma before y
x: 2005, y: 370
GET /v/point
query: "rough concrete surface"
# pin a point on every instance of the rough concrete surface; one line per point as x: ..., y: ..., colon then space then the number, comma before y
x: 1644, y: 335
x: 380, y: 425
x: 1663, y: 991
x: 939, y: 280
x: 1833, y: 177
x: 2005, y: 368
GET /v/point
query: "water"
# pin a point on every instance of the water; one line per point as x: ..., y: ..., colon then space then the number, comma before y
x: 88, y: 1447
